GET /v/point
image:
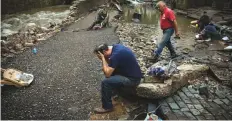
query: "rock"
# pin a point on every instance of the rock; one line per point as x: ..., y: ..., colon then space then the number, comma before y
x: 7, y: 32
x: 150, y: 79
x: 13, y: 51
x: 14, y: 21
x: 44, y: 29
x: 52, y: 24
x: 73, y: 14
x: 41, y: 39
x: 186, y: 50
x: 170, y: 86
x: 28, y: 44
x: 203, y: 90
x: 153, y: 90
x: 222, y: 22
x: 18, y: 47
x: 31, y: 25
x: 4, y: 50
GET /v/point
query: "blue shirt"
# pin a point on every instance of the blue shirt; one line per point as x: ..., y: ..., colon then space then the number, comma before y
x: 123, y: 60
x: 210, y: 28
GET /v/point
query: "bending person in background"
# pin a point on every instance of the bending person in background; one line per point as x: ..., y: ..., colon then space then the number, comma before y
x: 102, y: 19
x: 210, y: 32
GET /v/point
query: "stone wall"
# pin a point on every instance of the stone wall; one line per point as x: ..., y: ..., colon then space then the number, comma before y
x: 13, y: 6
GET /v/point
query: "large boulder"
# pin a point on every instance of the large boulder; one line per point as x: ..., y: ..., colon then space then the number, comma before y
x: 157, y: 90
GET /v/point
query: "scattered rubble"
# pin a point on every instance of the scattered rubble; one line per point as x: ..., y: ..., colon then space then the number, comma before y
x: 142, y: 40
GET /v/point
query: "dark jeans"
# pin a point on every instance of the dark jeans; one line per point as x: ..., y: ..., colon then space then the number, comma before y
x: 112, y: 83
x: 165, y: 41
x: 211, y: 35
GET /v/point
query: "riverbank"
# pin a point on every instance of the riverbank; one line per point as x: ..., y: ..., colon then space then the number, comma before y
x: 31, y: 34
x: 188, y: 102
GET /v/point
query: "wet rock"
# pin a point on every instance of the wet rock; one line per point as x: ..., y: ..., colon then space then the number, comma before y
x: 7, y: 32
x: 73, y: 14
x: 14, y: 21
x: 3, y: 37
x: 44, y: 29
x: 29, y: 25
x: 52, y: 24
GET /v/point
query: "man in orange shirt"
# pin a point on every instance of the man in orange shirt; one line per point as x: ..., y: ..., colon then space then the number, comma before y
x: 168, y: 24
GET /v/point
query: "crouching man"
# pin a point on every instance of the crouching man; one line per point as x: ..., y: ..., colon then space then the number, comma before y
x: 102, y: 18
x: 121, y: 69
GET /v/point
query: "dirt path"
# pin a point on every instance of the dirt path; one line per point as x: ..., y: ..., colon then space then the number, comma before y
x: 67, y: 78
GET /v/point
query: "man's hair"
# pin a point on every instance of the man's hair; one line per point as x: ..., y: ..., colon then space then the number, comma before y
x: 160, y: 3
x: 101, y: 48
x: 205, y: 12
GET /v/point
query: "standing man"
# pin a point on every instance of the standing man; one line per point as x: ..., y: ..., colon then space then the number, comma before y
x: 120, y: 68
x: 168, y: 24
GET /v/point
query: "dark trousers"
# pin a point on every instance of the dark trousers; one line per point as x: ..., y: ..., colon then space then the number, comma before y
x: 114, y: 83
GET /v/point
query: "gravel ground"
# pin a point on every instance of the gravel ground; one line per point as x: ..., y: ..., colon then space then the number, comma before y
x: 67, y: 78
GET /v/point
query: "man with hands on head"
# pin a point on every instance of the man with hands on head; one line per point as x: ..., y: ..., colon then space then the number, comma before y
x: 120, y: 68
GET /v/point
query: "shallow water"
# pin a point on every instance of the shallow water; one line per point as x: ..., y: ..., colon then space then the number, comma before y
x: 150, y: 16
x: 41, y: 16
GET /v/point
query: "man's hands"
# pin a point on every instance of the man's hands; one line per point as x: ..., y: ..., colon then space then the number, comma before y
x: 177, y: 36
x: 106, y: 69
x: 176, y: 30
x: 100, y: 55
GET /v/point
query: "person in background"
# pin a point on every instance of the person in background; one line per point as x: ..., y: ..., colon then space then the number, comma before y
x: 210, y: 32
x: 203, y: 21
x: 168, y: 24
x: 102, y: 19
x: 121, y: 69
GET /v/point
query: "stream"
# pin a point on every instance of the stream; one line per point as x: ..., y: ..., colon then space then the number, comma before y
x: 42, y: 17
